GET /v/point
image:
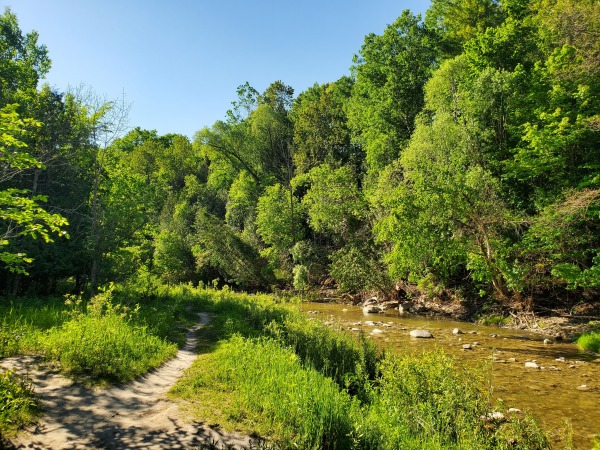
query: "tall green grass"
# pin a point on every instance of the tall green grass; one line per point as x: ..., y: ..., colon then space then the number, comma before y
x: 269, y: 370
x: 296, y: 406
x: 109, y: 338
x: 590, y: 341
x: 18, y: 405
x: 21, y: 317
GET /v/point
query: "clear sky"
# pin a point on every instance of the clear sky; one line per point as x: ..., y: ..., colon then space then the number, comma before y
x: 179, y: 62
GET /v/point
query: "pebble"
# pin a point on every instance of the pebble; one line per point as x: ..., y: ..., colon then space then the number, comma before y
x: 493, y: 335
x: 514, y: 410
x: 457, y: 331
x: 467, y: 347
x: 512, y: 359
x: 345, y: 310
x: 376, y: 331
x: 369, y: 323
x: 561, y: 359
x: 472, y: 332
x: 583, y: 387
x: 355, y: 329
x: 475, y: 343
x: 531, y: 365
x: 547, y: 342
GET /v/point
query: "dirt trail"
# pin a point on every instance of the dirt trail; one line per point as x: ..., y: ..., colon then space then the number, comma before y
x: 136, y: 415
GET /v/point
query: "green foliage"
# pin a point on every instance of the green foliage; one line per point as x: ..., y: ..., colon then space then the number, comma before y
x: 22, y: 61
x: 104, y: 343
x: 20, y: 213
x: 391, y: 71
x: 241, y: 203
x: 299, y: 407
x: 458, y: 21
x: 278, y: 218
x: 300, y: 277
x: 562, y: 242
x: 18, y: 405
x: 321, y: 132
x: 356, y: 267
x: 590, y: 341
x: 333, y: 201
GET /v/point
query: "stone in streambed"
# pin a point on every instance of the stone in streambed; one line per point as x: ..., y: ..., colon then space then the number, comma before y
x: 457, y: 331
x: 422, y: 334
x: 531, y: 365
x: 372, y: 309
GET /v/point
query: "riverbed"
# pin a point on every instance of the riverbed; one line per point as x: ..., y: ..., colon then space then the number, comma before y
x: 563, y: 388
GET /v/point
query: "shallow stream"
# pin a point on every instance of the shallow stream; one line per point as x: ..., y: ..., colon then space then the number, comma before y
x: 565, y: 386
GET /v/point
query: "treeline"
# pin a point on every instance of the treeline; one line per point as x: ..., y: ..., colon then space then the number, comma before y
x: 461, y: 152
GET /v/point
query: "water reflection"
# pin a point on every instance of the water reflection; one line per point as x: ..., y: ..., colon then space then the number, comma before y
x: 564, y: 386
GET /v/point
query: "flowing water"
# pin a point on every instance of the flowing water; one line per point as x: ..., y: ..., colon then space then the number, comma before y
x: 564, y: 387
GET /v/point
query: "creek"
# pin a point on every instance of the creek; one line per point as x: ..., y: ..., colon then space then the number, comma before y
x: 565, y: 388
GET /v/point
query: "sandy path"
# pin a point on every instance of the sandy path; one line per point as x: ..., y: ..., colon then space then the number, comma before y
x: 135, y: 415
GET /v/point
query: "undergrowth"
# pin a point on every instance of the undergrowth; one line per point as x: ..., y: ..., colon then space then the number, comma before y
x: 18, y: 405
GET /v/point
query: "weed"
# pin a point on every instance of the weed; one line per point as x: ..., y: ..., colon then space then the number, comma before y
x: 18, y: 406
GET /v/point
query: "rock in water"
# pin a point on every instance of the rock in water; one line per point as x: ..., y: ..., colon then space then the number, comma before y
x: 424, y: 334
x: 531, y: 365
x: 372, y: 309
x: 457, y: 331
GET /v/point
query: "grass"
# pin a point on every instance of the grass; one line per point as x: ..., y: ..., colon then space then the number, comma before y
x: 590, y: 341
x: 267, y: 370
x: 18, y: 405
x: 277, y: 396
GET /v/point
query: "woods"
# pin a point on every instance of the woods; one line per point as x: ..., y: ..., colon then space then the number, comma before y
x: 460, y: 151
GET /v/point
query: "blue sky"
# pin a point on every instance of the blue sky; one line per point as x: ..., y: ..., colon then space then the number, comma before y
x: 179, y: 62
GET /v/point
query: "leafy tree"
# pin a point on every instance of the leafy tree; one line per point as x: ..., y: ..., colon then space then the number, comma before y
x: 321, y: 132
x: 390, y: 71
x: 333, y: 202
x: 562, y: 245
x: 446, y: 211
x: 459, y: 21
x: 22, y: 61
x: 20, y: 213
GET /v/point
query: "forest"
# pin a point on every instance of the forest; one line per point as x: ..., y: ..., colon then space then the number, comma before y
x: 459, y: 155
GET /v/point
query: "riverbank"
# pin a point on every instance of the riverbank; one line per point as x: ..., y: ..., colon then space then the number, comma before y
x: 563, y: 324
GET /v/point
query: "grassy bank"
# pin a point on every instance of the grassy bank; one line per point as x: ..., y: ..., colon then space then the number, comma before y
x: 112, y: 338
x: 590, y: 341
x: 266, y: 369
